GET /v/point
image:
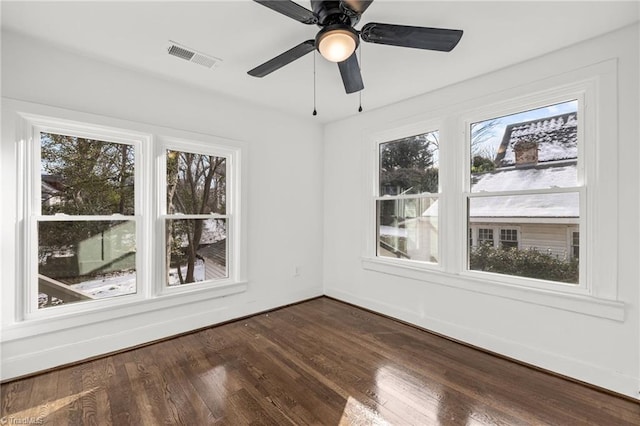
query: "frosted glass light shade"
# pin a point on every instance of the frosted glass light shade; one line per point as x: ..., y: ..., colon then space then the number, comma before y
x: 337, y: 45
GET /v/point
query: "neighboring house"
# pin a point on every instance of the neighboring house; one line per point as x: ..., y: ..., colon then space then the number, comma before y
x: 51, y: 187
x: 534, y: 154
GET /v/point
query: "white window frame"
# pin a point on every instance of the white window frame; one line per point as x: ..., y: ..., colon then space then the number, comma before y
x: 597, y: 85
x: 395, y: 134
x: 33, y: 126
x: 585, y: 121
x: 22, y: 320
x: 234, y: 264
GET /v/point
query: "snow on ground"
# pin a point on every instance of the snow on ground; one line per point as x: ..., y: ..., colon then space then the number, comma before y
x: 120, y: 285
x: 109, y: 286
x: 198, y: 273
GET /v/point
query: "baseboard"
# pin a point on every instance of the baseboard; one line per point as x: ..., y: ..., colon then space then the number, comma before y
x: 569, y: 367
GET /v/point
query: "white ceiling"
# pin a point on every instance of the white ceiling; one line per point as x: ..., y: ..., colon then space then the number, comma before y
x: 245, y: 34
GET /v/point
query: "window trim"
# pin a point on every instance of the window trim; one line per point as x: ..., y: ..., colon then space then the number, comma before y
x: 598, y: 82
x: 34, y: 125
x: 233, y: 208
x: 586, y: 118
x: 147, y: 298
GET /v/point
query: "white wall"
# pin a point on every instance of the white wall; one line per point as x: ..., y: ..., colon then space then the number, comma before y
x: 284, y: 198
x: 602, y: 351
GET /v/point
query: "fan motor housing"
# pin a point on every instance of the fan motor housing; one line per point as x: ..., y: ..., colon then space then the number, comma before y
x: 333, y: 13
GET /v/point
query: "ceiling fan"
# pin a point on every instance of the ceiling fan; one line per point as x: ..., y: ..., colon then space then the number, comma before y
x: 337, y: 39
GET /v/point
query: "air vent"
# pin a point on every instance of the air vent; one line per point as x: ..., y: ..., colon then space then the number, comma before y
x: 191, y: 55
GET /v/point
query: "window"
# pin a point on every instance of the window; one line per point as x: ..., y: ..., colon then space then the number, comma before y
x: 485, y: 237
x: 509, y: 238
x: 525, y: 175
x: 86, y: 243
x: 105, y: 228
x: 407, y: 199
x: 553, y: 184
x: 575, y: 244
x: 196, y: 223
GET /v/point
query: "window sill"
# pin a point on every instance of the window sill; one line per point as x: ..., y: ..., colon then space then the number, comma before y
x: 53, y: 321
x: 580, y: 303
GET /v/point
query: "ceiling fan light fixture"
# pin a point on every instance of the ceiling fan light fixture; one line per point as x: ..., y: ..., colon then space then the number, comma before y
x: 337, y: 44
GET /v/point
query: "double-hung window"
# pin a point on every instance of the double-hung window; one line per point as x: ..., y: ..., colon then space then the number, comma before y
x: 407, y: 198
x: 526, y: 199
x: 198, y: 216
x: 524, y: 192
x: 93, y: 238
x: 84, y: 230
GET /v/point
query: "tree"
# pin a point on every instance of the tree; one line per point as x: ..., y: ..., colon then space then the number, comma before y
x: 483, y: 155
x: 409, y: 165
x: 95, y: 178
x: 196, y: 184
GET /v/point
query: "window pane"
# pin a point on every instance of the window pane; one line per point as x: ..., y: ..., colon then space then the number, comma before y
x: 409, y: 165
x: 196, y: 250
x: 408, y: 229
x: 86, y: 176
x: 85, y: 260
x: 540, y: 249
x: 529, y: 150
x: 485, y: 236
x: 196, y: 183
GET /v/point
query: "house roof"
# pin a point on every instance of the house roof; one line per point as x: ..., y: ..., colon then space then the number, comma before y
x: 550, y: 175
x: 563, y: 205
x: 557, y: 139
x: 556, y: 168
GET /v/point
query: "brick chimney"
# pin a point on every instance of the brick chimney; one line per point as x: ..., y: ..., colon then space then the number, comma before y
x: 526, y: 152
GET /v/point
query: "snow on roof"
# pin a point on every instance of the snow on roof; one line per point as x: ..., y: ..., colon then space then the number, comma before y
x: 557, y: 139
x: 559, y: 205
x: 515, y: 179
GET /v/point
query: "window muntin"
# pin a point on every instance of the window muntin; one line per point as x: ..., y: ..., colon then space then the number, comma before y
x: 407, y: 201
x: 196, y: 246
x: 86, y: 246
x: 524, y: 172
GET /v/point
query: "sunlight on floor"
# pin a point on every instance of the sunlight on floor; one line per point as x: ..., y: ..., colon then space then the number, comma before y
x: 356, y: 413
x: 38, y: 414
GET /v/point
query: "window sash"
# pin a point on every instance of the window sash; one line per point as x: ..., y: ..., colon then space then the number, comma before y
x: 230, y: 217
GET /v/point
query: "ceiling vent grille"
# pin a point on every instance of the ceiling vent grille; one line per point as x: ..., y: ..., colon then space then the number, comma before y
x: 191, y: 55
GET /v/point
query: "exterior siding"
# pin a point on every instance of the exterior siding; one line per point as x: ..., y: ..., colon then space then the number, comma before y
x: 549, y: 238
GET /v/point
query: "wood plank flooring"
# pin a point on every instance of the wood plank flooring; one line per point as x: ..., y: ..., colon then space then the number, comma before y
x: 318, y: 362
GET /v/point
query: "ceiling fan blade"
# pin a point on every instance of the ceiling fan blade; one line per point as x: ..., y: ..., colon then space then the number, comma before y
x: 291, y: 9
x: 440, y: 39
x: 358, y: 6
x: 350, y: 72
x: 283, y: 59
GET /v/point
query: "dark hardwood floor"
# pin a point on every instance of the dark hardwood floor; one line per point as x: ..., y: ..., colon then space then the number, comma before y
x: 318, y: 362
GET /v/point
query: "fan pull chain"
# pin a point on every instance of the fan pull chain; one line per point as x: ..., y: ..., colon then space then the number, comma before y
x: 314, y: 84
x: 360, y: 92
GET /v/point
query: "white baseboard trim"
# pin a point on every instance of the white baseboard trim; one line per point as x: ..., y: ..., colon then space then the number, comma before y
x: 570, y: 367
x: 28, y: 363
